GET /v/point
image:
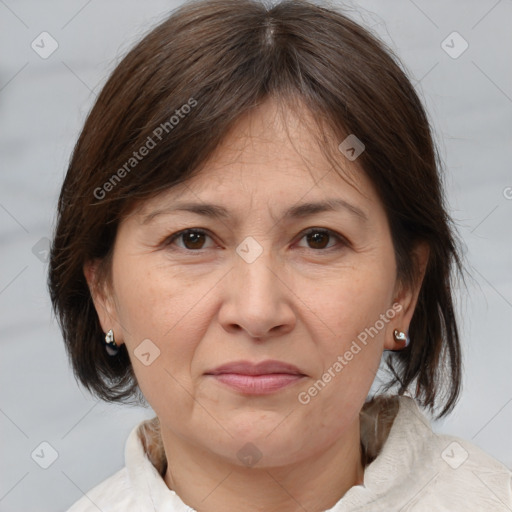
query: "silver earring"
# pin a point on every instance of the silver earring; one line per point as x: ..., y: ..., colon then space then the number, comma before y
x: 110, y: 345
x: 401, y: 337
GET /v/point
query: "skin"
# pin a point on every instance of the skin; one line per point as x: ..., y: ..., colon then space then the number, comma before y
x: 301, y: 301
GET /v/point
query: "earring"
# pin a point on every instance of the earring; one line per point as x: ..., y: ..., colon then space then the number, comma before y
x: 401, y: 337
x: 110, y: 344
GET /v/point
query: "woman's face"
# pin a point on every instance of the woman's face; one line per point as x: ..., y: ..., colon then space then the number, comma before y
x: 265, y: 278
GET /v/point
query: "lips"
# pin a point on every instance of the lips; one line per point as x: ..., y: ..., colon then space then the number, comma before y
x: 256, y: 378
x: 263, y: 368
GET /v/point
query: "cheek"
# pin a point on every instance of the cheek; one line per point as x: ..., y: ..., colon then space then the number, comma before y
x: 349, y: 361
x: 163, y: 327
x: 353, y: 303
x: 161, y: 316
x: 153, y: 299
x: 354, y: 315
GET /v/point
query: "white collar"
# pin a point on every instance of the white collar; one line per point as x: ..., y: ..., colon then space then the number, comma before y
x: 380, y: 477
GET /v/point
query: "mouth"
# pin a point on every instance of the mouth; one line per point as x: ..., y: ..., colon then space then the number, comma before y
x: 257, y: 378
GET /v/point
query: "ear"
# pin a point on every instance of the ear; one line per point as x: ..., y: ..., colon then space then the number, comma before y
x: 406, y: 295
x: 102, y: 297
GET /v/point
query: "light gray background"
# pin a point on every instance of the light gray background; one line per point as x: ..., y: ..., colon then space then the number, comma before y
x: 43, y: 103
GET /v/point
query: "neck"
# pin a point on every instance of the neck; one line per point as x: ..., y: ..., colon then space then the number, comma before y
x: 209, y: 483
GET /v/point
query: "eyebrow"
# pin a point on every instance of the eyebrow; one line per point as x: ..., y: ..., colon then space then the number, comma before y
x: 294, y: 212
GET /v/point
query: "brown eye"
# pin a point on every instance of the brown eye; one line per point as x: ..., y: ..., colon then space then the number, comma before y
x: 318, y: 239
x: 191, y: 239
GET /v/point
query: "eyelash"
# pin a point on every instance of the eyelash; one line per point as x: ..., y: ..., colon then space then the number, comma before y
x: 341, y: 240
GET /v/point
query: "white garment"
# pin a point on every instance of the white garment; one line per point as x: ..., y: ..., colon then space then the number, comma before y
x: 416, y: 471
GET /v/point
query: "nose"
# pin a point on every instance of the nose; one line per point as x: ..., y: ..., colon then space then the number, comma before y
x: 257, y: 299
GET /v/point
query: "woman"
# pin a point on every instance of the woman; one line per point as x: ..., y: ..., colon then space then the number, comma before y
x: 252, y: 215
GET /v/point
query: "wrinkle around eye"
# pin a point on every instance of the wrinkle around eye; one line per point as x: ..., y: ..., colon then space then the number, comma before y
x: 340, y: 241
x: 169, y: 240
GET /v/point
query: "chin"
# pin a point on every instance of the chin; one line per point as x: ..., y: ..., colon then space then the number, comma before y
x: 269, y: 440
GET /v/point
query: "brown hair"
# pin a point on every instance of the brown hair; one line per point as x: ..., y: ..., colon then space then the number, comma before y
x: 183, y: 87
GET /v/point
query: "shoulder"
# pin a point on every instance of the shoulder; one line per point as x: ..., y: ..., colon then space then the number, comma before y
x: 137, y: 487
x: 451, y: 473
x: 113, y: 494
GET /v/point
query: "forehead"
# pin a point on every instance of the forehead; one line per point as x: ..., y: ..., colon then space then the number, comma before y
x: 270, y: 156
x: 274, y: 140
